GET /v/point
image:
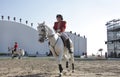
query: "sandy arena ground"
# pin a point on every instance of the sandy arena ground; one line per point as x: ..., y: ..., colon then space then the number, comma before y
x: 47, y: 67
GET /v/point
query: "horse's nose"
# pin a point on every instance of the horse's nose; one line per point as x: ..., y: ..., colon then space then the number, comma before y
x: 40, y: 40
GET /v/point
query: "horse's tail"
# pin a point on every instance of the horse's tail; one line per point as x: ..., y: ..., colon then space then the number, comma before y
x: 71, y: 46
x: 22, y: 52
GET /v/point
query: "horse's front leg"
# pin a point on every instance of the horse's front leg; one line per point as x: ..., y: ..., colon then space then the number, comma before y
x: 19, y: 56
x: 60, y: 69
x: 60, y: 64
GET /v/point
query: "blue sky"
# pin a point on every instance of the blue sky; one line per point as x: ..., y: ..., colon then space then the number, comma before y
x: 85, y: 17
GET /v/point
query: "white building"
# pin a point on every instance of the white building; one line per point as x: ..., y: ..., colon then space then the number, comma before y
x: 27, y: 38
x: 80, y: 43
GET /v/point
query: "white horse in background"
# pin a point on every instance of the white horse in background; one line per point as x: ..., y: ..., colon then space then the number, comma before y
x: 19, y: 53
x: 56, y: 46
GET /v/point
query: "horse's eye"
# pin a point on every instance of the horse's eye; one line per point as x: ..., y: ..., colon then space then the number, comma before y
x: 43, y: 30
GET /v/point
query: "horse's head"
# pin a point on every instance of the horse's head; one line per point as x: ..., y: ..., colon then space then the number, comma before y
x: 10, y: 49
x: 42, y: 30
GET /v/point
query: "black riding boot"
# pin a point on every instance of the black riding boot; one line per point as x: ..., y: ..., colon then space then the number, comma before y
x: 68, y: 45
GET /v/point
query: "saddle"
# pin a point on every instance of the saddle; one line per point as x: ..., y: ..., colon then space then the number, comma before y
x: 64, y: 40
x: 14, y: 52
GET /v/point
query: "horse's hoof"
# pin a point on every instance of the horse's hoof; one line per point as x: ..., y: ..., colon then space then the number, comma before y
x: 68, y: 70
x: 64, y: 72
x: 60, y: 75
x: 72, y: 71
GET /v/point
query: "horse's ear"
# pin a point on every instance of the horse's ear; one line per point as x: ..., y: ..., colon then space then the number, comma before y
x: 43, y: 22
x: 38, y: 25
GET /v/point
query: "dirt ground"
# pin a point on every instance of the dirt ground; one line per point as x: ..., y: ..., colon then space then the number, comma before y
x: 47, y: 67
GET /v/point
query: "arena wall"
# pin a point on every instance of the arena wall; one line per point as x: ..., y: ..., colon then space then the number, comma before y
x: 27, y: 38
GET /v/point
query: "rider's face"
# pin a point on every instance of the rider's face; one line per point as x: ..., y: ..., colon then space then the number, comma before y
x: 58, y: 19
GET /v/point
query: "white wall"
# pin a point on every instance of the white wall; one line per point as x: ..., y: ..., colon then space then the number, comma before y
x: 80, y: 44
x: 26, y: 37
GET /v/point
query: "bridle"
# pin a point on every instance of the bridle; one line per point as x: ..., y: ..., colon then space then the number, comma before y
x: 43, y: 34
x: 44, y: 37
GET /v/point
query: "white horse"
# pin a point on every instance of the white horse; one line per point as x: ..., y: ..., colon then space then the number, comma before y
x: 19, y: 53
x: 56, y: 46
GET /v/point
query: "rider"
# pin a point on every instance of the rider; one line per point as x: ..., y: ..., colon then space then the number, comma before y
x: 15, y: 46
x: 60, y: 27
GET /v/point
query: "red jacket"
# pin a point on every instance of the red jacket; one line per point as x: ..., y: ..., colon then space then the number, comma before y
x: 60, y: 25
x: 15, y: 46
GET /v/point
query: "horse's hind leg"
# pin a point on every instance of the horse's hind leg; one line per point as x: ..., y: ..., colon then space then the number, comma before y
x: 19, y: 57
x: 66, y: 64
x: 72, y: 60
x: 12, y: 56
x: 72, y: 67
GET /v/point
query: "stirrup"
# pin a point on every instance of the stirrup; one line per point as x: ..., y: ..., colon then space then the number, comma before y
x: 70, y: 51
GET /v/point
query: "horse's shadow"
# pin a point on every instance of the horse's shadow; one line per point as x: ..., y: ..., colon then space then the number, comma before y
x: 38, y: 75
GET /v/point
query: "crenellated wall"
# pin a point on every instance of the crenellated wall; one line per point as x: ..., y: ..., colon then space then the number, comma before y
x: 26, y: 37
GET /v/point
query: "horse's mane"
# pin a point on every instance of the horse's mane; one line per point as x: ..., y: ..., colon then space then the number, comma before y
x: 50, y: 29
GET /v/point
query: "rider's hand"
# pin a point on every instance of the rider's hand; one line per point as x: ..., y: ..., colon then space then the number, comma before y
x: 58, y: 30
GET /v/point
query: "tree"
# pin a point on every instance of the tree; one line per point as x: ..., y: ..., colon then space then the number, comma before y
x: 100, y: 50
